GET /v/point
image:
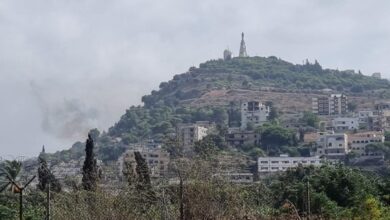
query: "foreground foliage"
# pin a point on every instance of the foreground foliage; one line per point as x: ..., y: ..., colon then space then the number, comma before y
x: 195, y: 192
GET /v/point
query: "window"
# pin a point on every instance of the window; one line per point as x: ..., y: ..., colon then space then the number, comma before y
x: 263, y: 161
x: 274, y: 161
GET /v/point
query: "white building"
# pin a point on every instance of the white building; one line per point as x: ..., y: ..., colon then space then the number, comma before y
x: 188, y: 134
x: 253, y: 112
x: 358, y: 142
x: 332, y: 146
x: 284, y: 162
x: 343, y: 123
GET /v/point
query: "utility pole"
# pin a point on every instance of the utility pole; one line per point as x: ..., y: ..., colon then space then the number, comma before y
x: 308, y: 200
x: 48, y: 202
x: 20, y: 191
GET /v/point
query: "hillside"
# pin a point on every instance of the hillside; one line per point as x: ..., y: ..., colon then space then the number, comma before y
x: 204, y: 93
x: 254, y: 73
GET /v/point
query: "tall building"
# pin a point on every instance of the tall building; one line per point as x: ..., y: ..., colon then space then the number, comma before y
x: 242, y: 47
x: 334, y: 104
x: 253, y: 112
x: 188, y: 134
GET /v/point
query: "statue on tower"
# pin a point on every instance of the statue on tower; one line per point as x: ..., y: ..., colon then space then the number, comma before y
x: 242, y: 47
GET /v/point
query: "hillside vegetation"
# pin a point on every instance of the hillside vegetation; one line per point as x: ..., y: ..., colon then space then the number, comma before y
x: 165, y: 108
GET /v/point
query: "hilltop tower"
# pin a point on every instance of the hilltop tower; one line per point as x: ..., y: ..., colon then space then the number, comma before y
x: 242, y: 47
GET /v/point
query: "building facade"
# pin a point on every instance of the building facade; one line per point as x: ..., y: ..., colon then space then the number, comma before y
x: 284, y: 162
x: 157, y: 160
x: 358, y: 142
x: 344, y: 123
x: 334, y: 104
x: 188, y: 134
x: 238, y: 138
x: 332, y: 146
x: 253, y: 112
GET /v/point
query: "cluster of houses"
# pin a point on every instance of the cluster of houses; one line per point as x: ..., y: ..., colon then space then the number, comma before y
x: 341, y: 134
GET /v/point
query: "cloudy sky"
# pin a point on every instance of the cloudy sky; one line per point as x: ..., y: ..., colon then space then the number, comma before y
x: 68, y: 66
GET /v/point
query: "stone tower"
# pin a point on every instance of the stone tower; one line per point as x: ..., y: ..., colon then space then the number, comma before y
x: 242, y: 47
x: 227, y: 55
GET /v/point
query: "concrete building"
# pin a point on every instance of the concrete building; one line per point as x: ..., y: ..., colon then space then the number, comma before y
x: 227, y: 54
x: 188, y: 134
x: 332, y: 146
x: 157, y: 159
x: 284, y: 162
x: 242, y: 138
x: 253, y: 112
x: 344, y: 123
x: 377, y: 75
x: 357, y: 142
x: 334, y: 104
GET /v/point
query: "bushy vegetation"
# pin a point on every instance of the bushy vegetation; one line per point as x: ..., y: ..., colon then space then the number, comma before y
x: 256, y: 72
x: 335, y: 192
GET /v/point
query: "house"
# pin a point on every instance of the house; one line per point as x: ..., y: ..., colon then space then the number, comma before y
x: 284, y: 162
x: 242, y: 138
x: 332, y: 146
x: 253, y: 112
x: 358, y: 142
x: 345, y: 123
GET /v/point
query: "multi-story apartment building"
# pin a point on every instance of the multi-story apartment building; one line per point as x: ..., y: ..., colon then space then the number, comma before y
x: 284, y: 162
x: 344, y: 123
x: 357, y: 142
x: 157, y: 160
x: 253, y: 112
x: 188, y: 134
x: 242, y: 138
x: 332, y: 146
x: 334, y: 104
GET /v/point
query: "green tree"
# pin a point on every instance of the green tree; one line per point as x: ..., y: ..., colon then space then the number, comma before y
x: 370, y: 209
x: 310, y: 119
x: 209, y: 145
x: 45, y: 176
x: 276, y: 136
x: 128, y: 172
x: 90, y: 170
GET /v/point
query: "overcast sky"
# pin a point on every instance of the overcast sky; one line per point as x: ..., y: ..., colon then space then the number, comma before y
x: 68, y: 66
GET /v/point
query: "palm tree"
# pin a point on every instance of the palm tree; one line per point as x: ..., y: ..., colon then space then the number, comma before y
x: 10, y: 169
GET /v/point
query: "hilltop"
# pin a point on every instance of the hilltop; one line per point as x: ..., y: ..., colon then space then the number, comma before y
x: 204, y: 93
